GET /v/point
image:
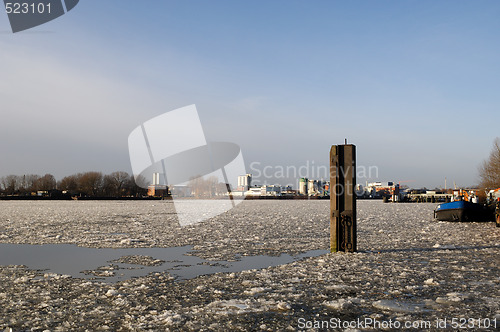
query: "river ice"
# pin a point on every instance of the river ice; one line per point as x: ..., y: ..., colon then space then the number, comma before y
x: 409, y: 268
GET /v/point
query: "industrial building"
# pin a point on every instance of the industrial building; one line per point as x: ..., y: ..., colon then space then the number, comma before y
x: 377, y: 189
x: 270, y: 190
x: 303, y: 186
x: 156, y: 189
x: 309, y: 187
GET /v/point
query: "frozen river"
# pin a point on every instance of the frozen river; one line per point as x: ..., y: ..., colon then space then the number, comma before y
x: 410, y: 270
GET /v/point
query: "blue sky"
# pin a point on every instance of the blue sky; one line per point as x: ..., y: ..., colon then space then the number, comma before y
x: 414, y: 84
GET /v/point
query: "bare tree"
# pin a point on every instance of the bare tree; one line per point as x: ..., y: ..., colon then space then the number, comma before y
x: 90, y: 183
x: 121, y: 181
x: 138, y: 186
x: 11, y: 184
x: 116, y: 184
x: 30, y: 182
x: 108, y: 186
x: 46, y: 182
x: 489, y: 171
x: 69, y: 183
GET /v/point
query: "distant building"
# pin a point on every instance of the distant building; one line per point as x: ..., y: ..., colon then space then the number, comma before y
x: 318, y: 188
x: 270, y: 190
x: 156, y: 189
x: 244, y: 182
x: 254, y: 191
x: 288, y: 191
x: 326, y: 188
x: 303, y: 183
x: 380, y: 189
x: 313, y: 188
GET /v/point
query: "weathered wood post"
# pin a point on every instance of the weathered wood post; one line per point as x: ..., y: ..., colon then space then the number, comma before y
x: 343, y: 198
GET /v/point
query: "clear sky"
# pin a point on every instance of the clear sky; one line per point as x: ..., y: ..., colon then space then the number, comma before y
x: 414, y: 84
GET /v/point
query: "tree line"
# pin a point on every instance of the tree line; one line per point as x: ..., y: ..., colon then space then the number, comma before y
x: 96, y: 184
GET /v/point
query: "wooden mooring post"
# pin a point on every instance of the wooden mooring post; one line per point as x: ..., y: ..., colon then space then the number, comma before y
x: 343, y: 198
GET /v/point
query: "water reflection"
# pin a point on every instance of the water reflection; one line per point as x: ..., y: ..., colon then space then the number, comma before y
x: 73, y: 260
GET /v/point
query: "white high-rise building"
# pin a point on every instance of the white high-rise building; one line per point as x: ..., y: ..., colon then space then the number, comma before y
x: 303, y: 186
x: 244, y: 182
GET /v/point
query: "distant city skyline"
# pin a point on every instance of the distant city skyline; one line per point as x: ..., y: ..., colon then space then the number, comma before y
x: 413, y: 84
